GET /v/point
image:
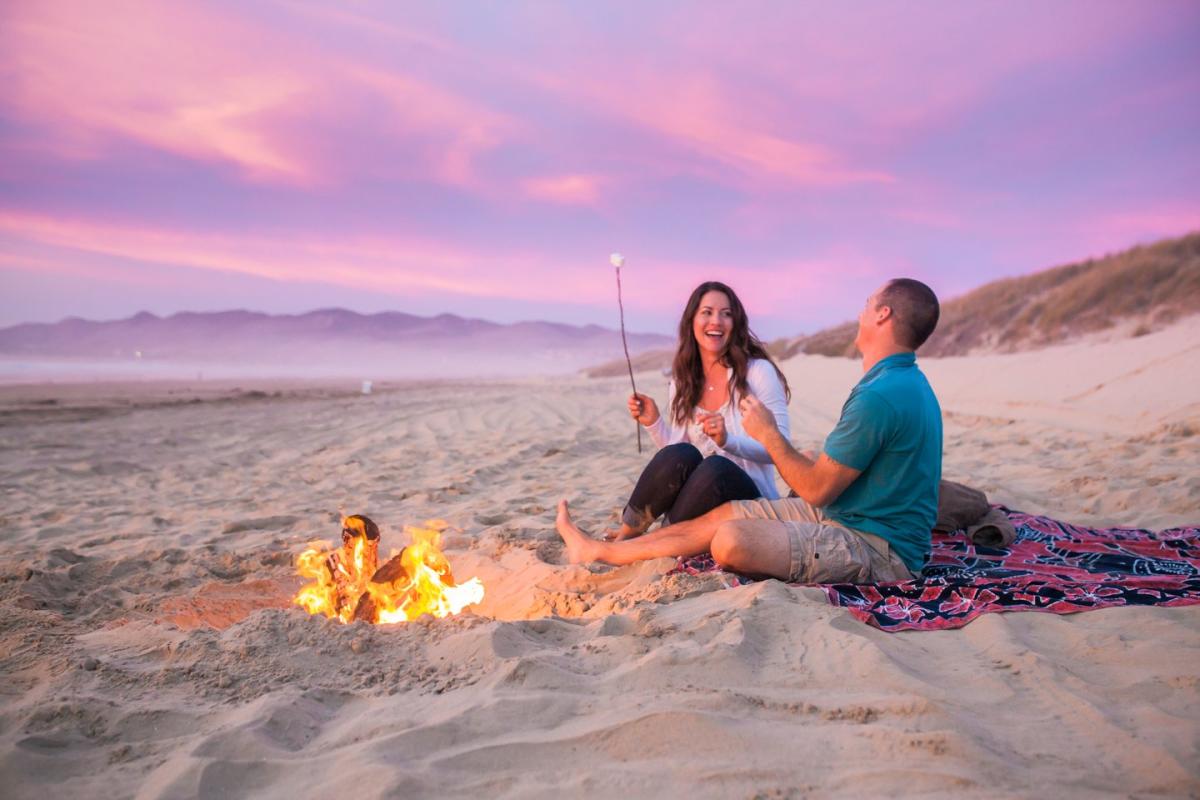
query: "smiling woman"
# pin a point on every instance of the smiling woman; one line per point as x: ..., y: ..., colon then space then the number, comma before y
x: 706, y: 458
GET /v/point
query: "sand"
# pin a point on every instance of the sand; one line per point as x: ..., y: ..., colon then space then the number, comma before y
x: 148, y: 649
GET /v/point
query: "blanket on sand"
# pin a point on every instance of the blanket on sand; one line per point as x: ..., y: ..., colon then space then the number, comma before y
x: 1051, y: 566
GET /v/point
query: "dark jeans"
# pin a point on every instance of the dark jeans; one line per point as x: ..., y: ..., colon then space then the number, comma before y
x: 683, y: 484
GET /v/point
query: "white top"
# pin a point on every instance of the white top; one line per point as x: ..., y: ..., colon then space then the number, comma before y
x: 739, y: 448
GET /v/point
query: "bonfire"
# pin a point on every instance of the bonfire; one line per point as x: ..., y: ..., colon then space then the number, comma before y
x: 346, y: 583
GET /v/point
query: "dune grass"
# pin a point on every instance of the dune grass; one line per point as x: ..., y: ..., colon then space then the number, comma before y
x: 1153, y: 284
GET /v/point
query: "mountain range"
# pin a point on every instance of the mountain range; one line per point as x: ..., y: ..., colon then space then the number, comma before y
x: 1143, y: 288
x: 324, y: 342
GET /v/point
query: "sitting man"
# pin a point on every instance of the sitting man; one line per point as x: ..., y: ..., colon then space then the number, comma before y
x: 864, y: 508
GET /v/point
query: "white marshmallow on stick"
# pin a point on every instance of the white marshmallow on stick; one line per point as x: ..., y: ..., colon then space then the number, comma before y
x: 618, y: 261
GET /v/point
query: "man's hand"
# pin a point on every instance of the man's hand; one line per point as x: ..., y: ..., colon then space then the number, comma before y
x: 815, y: 477
x: 757, y: 419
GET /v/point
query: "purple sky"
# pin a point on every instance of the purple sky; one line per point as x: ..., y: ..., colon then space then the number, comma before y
x: 485, y: 159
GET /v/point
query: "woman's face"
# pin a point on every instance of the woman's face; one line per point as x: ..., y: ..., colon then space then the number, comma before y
x: 713, y: 322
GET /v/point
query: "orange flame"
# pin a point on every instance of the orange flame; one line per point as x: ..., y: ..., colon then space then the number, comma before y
x: 345, y: 585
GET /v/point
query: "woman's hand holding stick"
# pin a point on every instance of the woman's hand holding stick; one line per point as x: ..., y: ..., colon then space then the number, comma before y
x: 643, y: 408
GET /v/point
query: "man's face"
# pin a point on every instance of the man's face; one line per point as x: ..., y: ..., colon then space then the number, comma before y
x: 866, y: 318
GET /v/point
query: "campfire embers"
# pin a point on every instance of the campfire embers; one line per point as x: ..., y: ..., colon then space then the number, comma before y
x: 347, y: 583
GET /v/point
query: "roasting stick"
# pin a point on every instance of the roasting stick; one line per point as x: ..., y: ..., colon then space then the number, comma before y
x: 618, y: 261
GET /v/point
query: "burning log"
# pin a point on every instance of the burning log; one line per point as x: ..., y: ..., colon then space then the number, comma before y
x: 347, y: 585
x: 356, y: 526
x: 366, y: 609
x: 356, y: 558
x: 341, y: 574
x: 392, y: 571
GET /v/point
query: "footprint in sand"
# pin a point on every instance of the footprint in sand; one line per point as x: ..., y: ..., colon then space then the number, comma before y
x: 552, y: 552
x: 279, y: 522
x: 54, y: 532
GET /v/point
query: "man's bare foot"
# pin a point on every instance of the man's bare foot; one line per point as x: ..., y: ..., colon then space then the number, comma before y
x: 581, y: 548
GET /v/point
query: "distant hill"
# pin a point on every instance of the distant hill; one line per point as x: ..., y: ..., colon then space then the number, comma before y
x: 1148, y: 286
x: 326, y: 341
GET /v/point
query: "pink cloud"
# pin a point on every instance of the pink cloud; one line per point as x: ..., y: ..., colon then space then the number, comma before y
x: 928, y: 217
x: 1037, y: 243
x: 700, y: 113
x: 354, y: 262
x: 211, y: 87
x: 781, y: 288
x: 464, y: 130
x: 88, y: 73
x: 1154, y: 222
x: 894, y: 76
x: 573, y: 189
x: 398, y: 264
x: 765, y: 124
x: 1111, y: 232
x: 328, y: 15
x: 411, y: 267
x: 225, y: 89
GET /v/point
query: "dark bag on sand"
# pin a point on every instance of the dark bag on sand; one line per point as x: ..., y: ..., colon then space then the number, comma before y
x: 993, y: 530
x: 959, y: 506
x: 963, y: 508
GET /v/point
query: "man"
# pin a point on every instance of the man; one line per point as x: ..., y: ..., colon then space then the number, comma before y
x: 864, y: 508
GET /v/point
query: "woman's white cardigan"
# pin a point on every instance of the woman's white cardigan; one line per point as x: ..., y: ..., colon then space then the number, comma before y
x: 739, y: 448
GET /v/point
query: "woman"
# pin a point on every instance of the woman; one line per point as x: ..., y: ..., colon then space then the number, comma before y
x: 706, y: 457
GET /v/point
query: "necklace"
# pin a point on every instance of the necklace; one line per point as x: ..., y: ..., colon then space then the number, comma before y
x: 711, y: 387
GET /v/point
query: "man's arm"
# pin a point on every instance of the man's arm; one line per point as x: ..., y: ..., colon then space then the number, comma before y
x: 763, y: 382
x: 819, y: 482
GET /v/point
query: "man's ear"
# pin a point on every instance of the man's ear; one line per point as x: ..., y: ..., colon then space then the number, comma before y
x: 883, y: 314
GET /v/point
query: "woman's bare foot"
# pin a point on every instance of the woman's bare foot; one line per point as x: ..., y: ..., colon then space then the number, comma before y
x: 622, y: 533
x: 581, y: 548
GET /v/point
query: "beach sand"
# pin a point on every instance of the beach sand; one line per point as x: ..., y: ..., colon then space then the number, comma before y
x: 148, y: 649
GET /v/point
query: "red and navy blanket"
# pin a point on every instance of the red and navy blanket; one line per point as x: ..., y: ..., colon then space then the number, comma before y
x: 1051, y: 566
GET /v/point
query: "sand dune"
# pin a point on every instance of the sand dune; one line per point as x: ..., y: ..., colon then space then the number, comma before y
x: 1143, y: 289
x: 148, y: 650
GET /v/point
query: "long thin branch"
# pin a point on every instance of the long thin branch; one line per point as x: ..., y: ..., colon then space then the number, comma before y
x: 628, y: 360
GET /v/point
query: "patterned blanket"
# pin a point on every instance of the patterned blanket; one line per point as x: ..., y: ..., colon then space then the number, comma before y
x: 1052, y: 566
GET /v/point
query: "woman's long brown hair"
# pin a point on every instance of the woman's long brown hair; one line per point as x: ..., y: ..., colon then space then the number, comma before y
x: 742, y: 346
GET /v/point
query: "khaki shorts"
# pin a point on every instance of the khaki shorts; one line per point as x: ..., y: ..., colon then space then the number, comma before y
x: 824, y: 551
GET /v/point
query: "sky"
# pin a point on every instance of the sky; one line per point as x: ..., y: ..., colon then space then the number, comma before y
x: 484, y: 159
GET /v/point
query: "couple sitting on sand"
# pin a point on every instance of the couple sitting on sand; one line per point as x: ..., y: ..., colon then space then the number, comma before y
x: 860, y: 512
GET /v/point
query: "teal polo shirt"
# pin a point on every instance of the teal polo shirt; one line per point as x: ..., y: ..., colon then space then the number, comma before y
x: 891, y: 431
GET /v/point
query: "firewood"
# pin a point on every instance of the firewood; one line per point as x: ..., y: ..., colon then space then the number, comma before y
x: 393, y: 570
x: 347, y: 580
x: 365, y: 610
x: 359, y: 525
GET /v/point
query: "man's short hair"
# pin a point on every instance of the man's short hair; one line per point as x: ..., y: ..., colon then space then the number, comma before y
x: 915, y: 310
